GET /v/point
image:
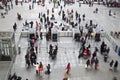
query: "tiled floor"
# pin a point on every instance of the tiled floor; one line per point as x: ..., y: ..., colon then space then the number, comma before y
x: 67, y: 47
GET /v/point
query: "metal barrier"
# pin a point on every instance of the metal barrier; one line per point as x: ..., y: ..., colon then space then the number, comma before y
x: 113, y: 43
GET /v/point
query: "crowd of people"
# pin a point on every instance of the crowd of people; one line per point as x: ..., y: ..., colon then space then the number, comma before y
x: 68, y: 17
x: 53, y: 52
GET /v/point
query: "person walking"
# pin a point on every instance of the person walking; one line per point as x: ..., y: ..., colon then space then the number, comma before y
x: 92, y: 62
x: 110, y: 13
x: 15, y: 26
x: 33, y: 58
x: 31, y: 24
x: 48, y: 69
x: 111, y: 65
x: 105, y: 56
x: 36, y: 48
x: 40, y: 67
x: 37, y: 67
x: 68, y: 68
x: 50, y: 49
x: 87, y: 63
x: 115, y: 65
x: 96, y: 63
x: 83, y: 17
x: 37, y: 24
x: 41, y: 36
x: 28, y: 63
x: 66, y: 75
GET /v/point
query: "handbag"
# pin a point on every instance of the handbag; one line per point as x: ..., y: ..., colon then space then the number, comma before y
x: 86, y: 66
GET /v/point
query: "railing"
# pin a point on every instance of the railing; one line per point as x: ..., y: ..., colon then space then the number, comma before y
x: 115, y: 45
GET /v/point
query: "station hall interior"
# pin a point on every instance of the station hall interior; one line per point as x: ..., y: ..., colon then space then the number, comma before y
x: 71, y: 39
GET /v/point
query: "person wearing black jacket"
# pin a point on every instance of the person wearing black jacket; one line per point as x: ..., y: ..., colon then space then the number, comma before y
x: 48, y: 69
x: 96, y: 63
x: 115, y: 65
x: 15, y: 26
x: 111, y: 64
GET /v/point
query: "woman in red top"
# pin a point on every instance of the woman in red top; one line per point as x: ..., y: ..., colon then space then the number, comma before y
x: 40, y: 67
x: 68, y: 67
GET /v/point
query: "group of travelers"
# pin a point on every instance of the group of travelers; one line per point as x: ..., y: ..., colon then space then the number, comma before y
x: 40, y: 69
x: 104, y: 50
x: 30, y: 57
x: 91, y: 57
x: 113, y: 65
x: 84, y: 52
x: 89, y: 63
x: 53, y: 52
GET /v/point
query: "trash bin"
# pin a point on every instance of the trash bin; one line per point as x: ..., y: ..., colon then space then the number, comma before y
x: 54, y: 37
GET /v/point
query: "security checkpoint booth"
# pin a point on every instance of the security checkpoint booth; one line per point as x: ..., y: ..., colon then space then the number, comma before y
x: 7, y: 46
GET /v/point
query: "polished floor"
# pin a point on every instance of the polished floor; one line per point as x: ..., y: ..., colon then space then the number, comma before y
x: 67, y: 47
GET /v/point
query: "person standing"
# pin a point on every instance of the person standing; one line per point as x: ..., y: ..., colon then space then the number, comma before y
x: 29, y: 7
x: 96, y: 10
x: 32, y: 4
x: 56, y: 48
x: 79, y: 4
x: 79, y: 20
x: 105, y: 56
x: 76, y: 15
x: 47, y: 11
x: 39, y: 15
x: 50, y: 49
